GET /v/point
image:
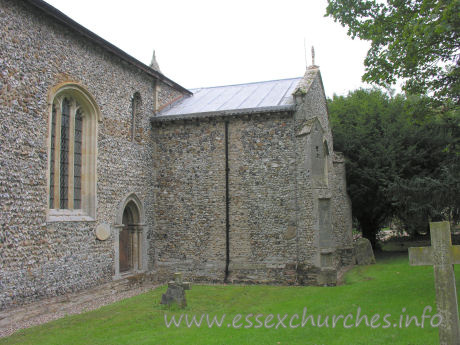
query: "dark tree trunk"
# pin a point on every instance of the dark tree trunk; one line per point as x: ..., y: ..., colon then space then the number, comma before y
x: 370, y: 232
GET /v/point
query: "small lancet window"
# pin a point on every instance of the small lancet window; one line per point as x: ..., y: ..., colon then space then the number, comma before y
x: 136, y: 103
x: 326, y: 162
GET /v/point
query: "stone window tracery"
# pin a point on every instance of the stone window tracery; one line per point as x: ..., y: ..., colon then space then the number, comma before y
x: 72, y: 156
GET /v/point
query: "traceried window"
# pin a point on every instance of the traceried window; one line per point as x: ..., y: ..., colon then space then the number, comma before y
x: 72, y: 156
x: 65, y: 154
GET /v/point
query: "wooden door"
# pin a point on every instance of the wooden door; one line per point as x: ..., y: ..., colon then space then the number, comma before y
x: 125, y: 247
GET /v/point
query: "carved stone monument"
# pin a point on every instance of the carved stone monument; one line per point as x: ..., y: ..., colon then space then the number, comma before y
x: 103, y: 232
x: 176, y: 291
x: 442, y: 255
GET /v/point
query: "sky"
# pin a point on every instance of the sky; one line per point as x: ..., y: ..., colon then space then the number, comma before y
x: 202, y: 43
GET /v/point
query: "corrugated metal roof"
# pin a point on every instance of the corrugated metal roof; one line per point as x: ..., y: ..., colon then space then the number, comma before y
x: 267, y: 94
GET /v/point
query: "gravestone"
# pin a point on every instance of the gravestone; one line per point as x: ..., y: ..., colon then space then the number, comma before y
x: 363, y: 253
x: 442, y: 255
x: 176, y: 291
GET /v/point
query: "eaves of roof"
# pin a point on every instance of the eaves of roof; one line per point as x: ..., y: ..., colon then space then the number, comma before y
x: 224, y: 113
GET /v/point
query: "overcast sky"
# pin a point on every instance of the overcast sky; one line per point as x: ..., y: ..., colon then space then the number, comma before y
x: 212, y: 43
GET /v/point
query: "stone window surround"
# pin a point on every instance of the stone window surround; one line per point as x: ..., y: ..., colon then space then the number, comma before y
x: 136, y: 110
x: 91, y: 118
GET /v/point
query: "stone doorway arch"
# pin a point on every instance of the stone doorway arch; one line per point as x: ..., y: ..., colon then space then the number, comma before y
x: 130, y: 240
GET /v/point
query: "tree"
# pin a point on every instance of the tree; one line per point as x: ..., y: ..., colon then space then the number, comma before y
x: 430, y: 189
x: 414, y: 40
x: 397, y: 162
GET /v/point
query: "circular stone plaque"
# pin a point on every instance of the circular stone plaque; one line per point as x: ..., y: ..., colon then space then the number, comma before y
x: 103, y: 232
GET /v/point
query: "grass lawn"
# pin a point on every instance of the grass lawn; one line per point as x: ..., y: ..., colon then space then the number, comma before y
x: 384, y: 288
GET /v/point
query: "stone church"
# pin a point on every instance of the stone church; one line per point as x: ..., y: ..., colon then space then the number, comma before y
x: 109, y: 169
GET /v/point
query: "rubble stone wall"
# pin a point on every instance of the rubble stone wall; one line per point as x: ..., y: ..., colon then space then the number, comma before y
x: 263, y: 236
x: 189, y: 210
x: 40, y: 258
x: 278, y: 216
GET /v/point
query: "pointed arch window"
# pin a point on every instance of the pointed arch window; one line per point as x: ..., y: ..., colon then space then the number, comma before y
x: 72, y: 156
x: 136, y: 104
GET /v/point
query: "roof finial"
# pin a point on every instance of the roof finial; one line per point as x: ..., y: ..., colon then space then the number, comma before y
x: 154, y: 64
x: 313, y: 55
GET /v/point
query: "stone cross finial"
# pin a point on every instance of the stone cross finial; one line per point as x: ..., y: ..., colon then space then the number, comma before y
x: 442, y: 255
x: 178, y: 278
x: 154, y: 64
x: 313, y: 55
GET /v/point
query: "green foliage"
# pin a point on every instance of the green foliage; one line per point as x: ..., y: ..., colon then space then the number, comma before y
x: 402, y: 159
x: 431, y: 188
x: 414, y: 40
x: 409, y: 166
x: 140, y: 320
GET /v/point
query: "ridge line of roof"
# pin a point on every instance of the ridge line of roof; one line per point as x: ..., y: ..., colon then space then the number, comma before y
x: 240, y: 84
x: 288, y: 90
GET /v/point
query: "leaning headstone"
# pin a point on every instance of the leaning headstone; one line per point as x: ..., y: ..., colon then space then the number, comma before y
x: 176, y: 291
x: 442, y: 255
x: 363, y: 253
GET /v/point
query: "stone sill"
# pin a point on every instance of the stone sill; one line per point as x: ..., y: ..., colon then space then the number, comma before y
x: 68, y: 216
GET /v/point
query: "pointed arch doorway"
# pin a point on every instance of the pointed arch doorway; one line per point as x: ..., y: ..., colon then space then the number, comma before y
x: 128, y: 241
x: 130, y: 244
